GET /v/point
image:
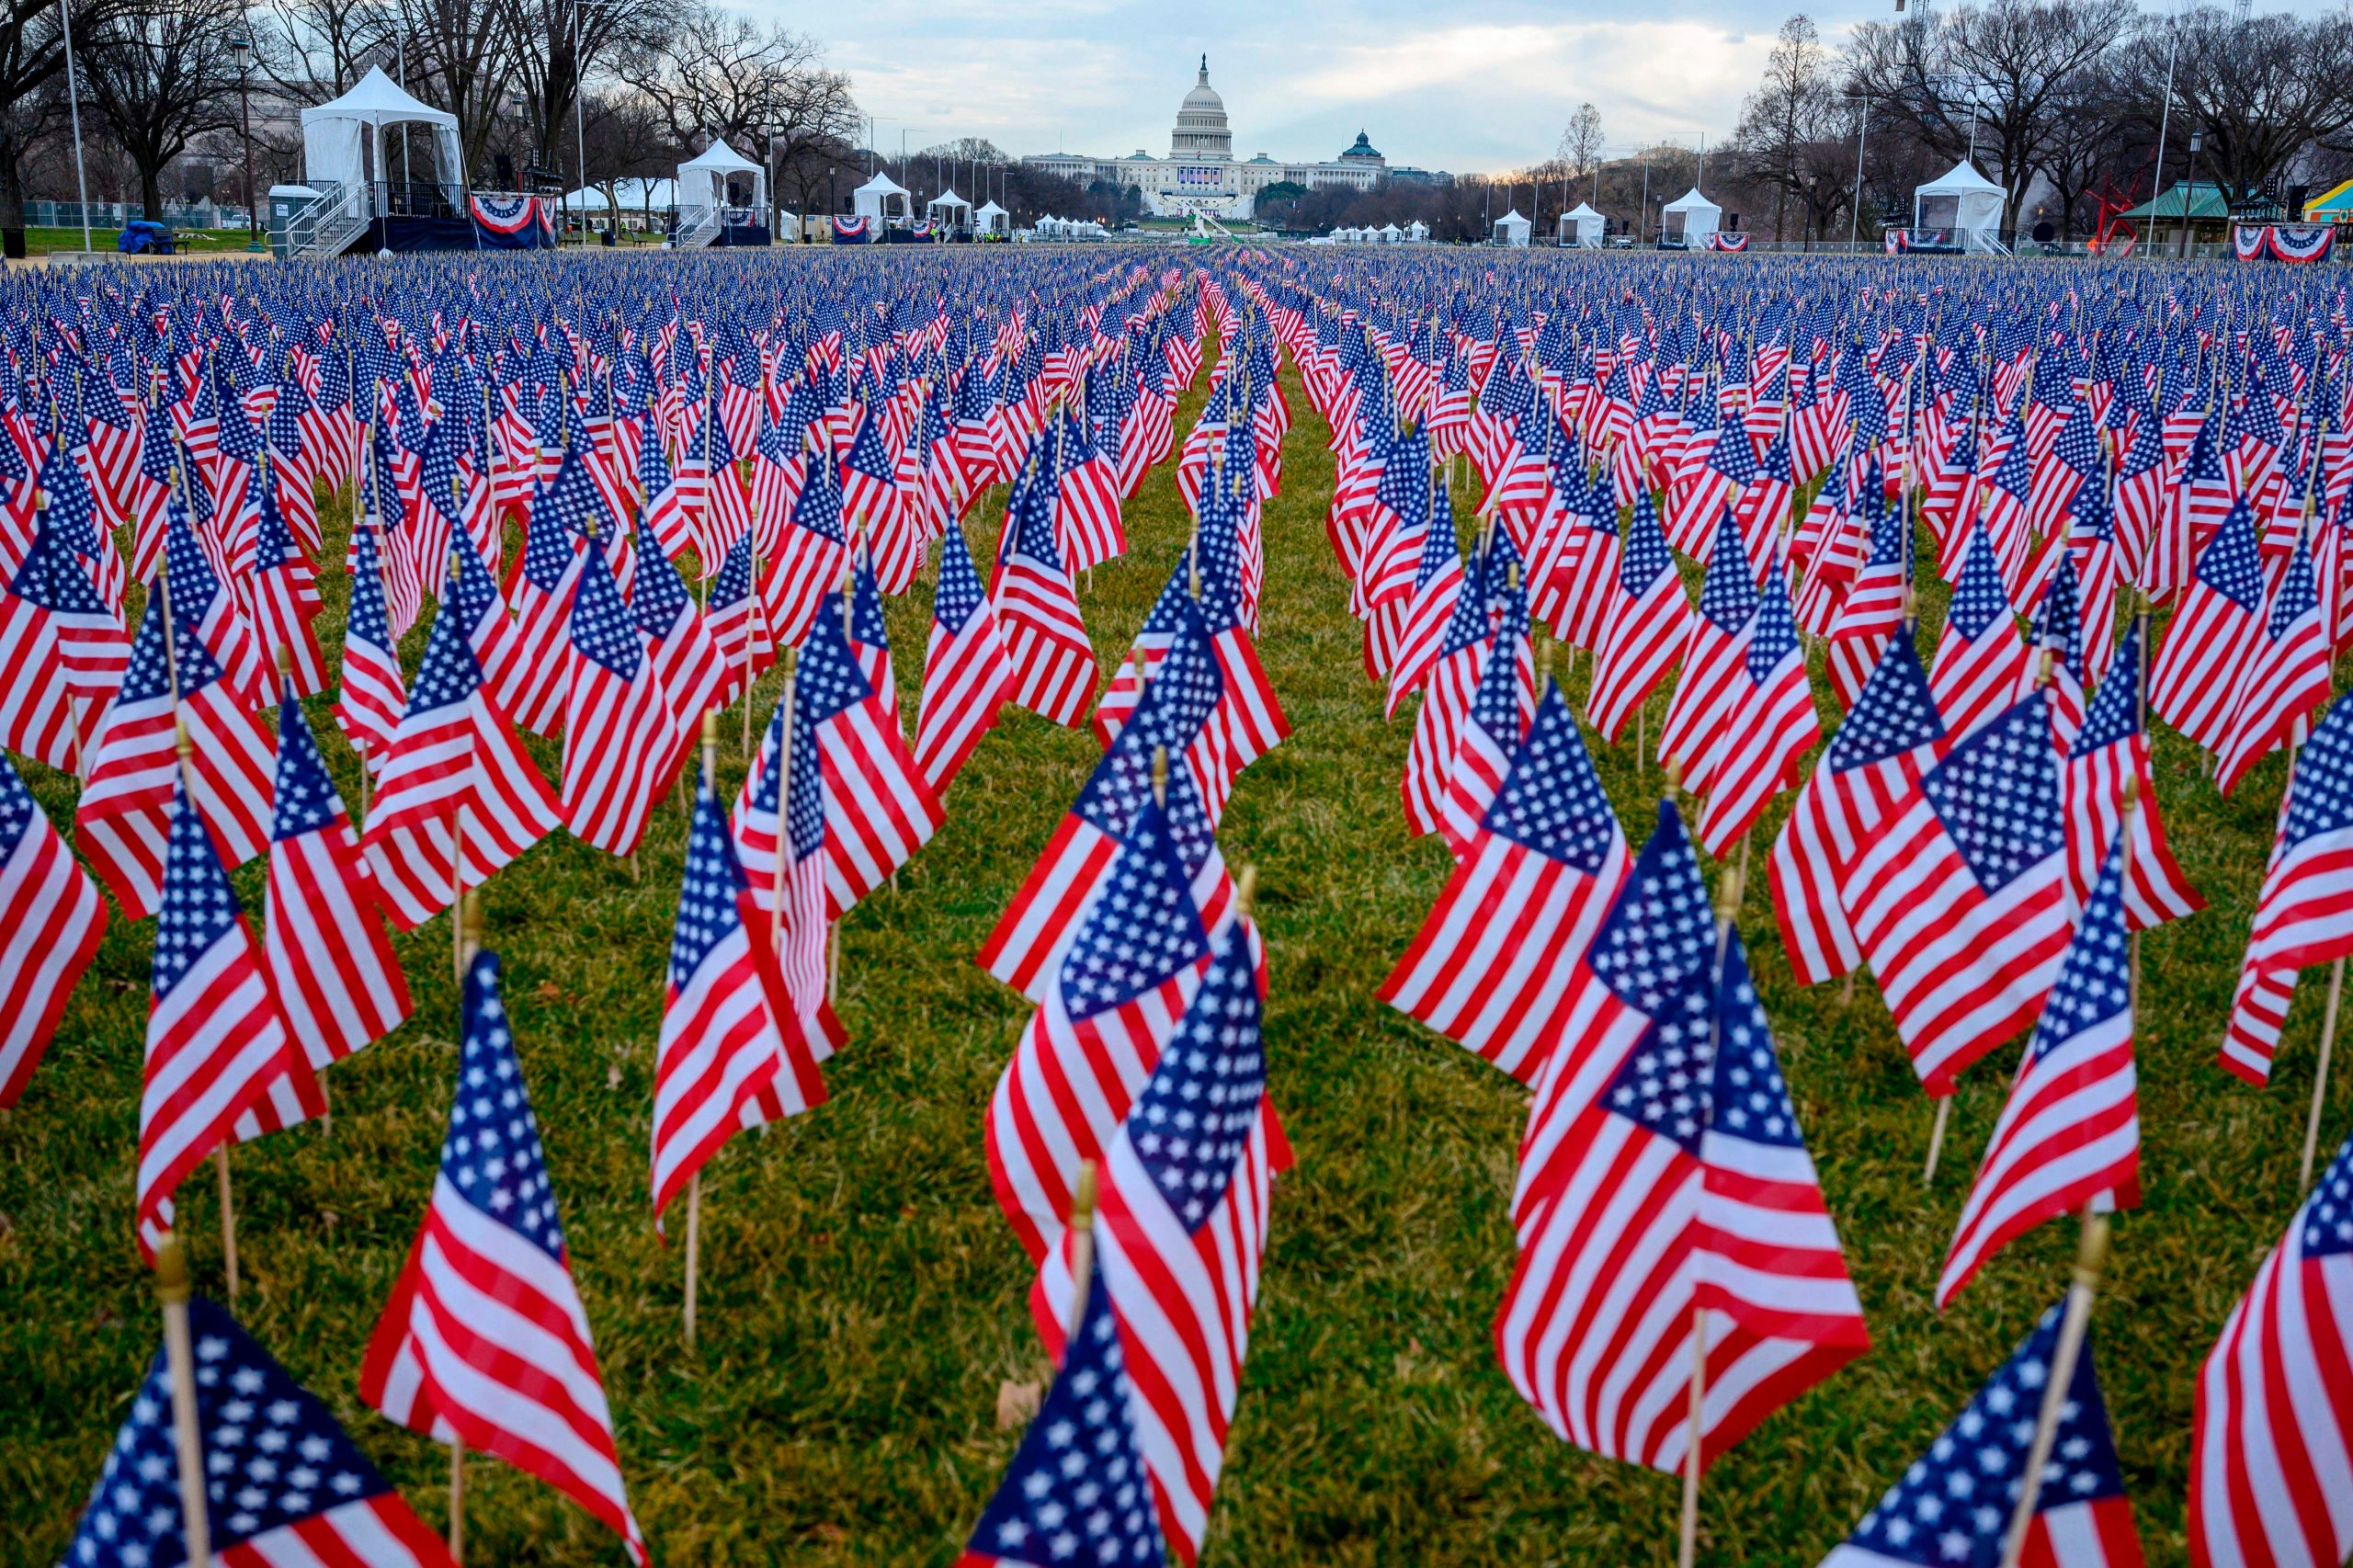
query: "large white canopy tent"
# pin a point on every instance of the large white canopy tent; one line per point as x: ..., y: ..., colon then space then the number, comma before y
x: 702, y: 182
x: 1689, y: 220
x: 343, y: 142
x: 992, y: 220
x: 876, y: 198
x: 1964, y: 203
x: 949, y: 208
x: 1581, y: 225
x: 1511, y: 229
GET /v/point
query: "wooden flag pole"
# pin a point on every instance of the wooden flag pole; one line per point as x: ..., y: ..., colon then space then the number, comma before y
x: 694, y: 1182
x: 1728, y: 891
x: 783, y: 795
x: 751, y: 612
x: 2320, y: 1073
x: 2090, y: 1253
x: 1082, y: 1249
x: 1937, y: 1139
x: 179, y: 1356
x: 466, y: 916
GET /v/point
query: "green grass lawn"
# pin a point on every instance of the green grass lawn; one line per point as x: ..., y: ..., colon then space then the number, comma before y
x: 209, y: 242
x: 863, y: 1297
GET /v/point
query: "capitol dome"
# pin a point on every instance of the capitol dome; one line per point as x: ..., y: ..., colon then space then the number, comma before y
x: 1202, y: 132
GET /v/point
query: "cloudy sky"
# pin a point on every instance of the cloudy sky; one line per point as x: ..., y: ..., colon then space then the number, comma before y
x: 1478, y: 87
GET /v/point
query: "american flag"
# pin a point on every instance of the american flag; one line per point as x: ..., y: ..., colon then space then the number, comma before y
x: 1412, y: 647
x: 2108, y: 755
x: 1769, y: 723
x: 1982, y: 843
x: 966, y: 675
x: 1491, y: 966
x: 1076, y: 1492
x: 1181, y: 1234
x: 1952, y: 1508
x: 54, y: 920
x: 1122, y: 985
x: 331, y: 965
x: 92, y: 650
x: 284, y: 1482
x: 1491, y: 725
x: 733, y: 1054
x: 2271, y: 1449
x: 1873, y: 607
x: 1981, y: 663
x: 2069, y: 1136
x: 811, y: 556
x: 1697, y: 727
x: 1026, y: 947
x: 787, y: 872
x: 1452, y: 682
x: 123, y: 820
x: 40, y: 707
x: 2214, y: 634
x: 1642, y: 626
x: 617, y: 727
x: 1045, y: 636
x: 457, y: 797
x: 484, y: 1341
x: 686, y: 663
x: 1665, y: 1190
x: 738, y: 625
x: 220, y: 1067
x: 2303, y: 915
x: 665, y: 513
x: 2285, y: 677
x: 563, y: 528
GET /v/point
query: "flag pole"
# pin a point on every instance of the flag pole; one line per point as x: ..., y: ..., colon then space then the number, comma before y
x: 783, y: 796
x: 179, y: 1358
x: 2089, y: 1254
x: 1728, y: 891
x: 2320, y: 1073
x: 693, y: 1181
x: 466, y: 916
x: 1082, y: 1250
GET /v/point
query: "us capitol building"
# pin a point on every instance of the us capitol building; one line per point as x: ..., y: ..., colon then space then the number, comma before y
x: 1200, y: 174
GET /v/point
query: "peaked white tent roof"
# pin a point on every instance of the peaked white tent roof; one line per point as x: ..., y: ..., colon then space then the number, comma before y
x: 377, y: 99
x: 1691, y: 201
x: 720, y: 158
x: 989, y: 210
x: 335, y: 150
x: 1962, y: 179
x: 881, y: 185
x: 1582, y: 210
x: 945, y: 200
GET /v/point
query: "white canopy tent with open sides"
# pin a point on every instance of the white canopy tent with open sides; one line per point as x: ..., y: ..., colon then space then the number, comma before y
x: 949, y: 209
x: 1511, y: 229
x: 883, y: 200
x: 1582, y: 226
x: 1689, y: 220
x: 1964, y: 204
x: 704, y: 194
x: 992, y: 220
x: 343, y: 153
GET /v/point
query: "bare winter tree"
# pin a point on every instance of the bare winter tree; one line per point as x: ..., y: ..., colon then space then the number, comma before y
x: 1794, y: 109
x: 1580, y: 149
x: 33, y: 61
x: 565, y: 42
x: 1992, y: 76
x: 2263, y: 91
x: 160, y: 74
x: 311, y: 51
x: 458, y: 55
x: 720, y: 74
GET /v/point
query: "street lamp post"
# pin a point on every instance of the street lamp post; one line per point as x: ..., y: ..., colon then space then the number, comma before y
x: 243, y: 48
x: 74, y: 108
x: 1862, y: 139
x: 2189, y: 190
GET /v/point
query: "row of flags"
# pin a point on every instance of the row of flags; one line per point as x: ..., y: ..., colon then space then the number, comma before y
x: 1981, y: 831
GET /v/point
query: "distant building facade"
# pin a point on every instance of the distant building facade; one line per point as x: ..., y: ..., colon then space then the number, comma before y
x: 1200, y: 173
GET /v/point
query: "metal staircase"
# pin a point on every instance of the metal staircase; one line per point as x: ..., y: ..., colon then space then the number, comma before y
x: 698, y: 227
x: 324, y: 228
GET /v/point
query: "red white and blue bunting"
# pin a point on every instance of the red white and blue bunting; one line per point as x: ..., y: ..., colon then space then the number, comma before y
x: 511, y: 222
x: 851, y: 231
x: 1720, y: 241
x: 2297, y: 243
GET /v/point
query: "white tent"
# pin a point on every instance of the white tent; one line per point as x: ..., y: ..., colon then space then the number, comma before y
x: 1964, y: 203
x: 1581, y: 225
x: 873, y: 199
x: 1417, y: 233
x: 1391, y: 234
x: 334, y: 151
x: 1689, y: 220
x: 1511, y: 229
x: 703, y: 181
x: 990, y: 219
x: 949, y: 209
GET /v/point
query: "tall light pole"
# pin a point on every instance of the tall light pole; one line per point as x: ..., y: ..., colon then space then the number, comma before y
x: 1862, y: 138
x: 2190, y: 190
x: 74, y: 107
x: 2165, y: 121
x: 243, y: 48
x: 580, y: 118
